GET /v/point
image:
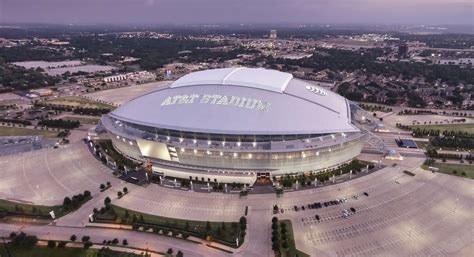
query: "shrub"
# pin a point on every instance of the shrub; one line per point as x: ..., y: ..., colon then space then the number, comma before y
x: 125, y: 242
x: 87, y: 245
x: 87, y: 194
x: 51, y: 244
x: 73, y: 238
x: 24, y: 241
x: 61, y: 244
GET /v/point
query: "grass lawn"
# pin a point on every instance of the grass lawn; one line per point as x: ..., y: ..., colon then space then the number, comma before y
x: 39, y: 251
x: 229, y: 234
x: 83, y: 120
x: 9, y: 131
x: 465, y: 127
x: 291, y: 251
x: 28, y: 209
x: 76, y: 101
x: 422, y: 144
x: 448, y: 168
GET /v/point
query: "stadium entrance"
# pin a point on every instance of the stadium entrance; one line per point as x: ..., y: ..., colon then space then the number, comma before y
x: 263, y: 178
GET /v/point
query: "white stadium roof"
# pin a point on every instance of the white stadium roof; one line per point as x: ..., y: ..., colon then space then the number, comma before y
x: 240, y: 101
x: 257, y: 78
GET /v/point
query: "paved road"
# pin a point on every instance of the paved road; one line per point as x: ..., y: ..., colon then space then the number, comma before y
x: 136, y: 239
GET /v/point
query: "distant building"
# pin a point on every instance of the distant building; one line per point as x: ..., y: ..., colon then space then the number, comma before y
x: 402, y: 51
x: 273, y: 34
x: 42, y: 92
x: 115, y: 78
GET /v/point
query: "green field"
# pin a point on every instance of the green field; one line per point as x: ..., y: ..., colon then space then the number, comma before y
x: 82, y: 120
x: 28, y: 209
x: 76, y: 101
x: 459, y: 168
x: 9, y: 131
x: 39, y: 251
x: 291, y: 251
x: 464, y: 127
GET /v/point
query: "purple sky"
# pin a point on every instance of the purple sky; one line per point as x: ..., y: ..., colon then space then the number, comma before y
x: 238, y: 11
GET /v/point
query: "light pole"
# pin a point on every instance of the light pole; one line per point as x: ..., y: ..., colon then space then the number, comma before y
x: 456, y: 204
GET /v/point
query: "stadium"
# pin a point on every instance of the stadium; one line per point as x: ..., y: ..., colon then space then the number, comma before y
x: 237, y: 125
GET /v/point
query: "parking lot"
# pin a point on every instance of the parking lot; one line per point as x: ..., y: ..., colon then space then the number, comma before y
x: 400, y: 215
x: 122, y: 95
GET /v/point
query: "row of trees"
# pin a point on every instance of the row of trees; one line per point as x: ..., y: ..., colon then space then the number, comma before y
x: 373, y: 108
x: 454, y: 142
x: 422, y: 132
x: 432, y: 153
x: 77, y: 110
x: 416, y: 112
x: 305, y: 180
x: 76, y: 201
x: 16, y: 121
x: 279, y: 237
x: 60, y: 123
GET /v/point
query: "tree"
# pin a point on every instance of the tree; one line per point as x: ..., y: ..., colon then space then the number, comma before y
x: 170, y: 251
x: 87, y: 194
x: 124, y: 242
x: 85, y: 238
x: 115, y: 241
x: 179, y: 254
x: 119, y: 194
x: 67, y: 201
x: 73, y: 238
x: 108, y: 184
x: 125, y: 190
x: 107, y: 201
x: 102, y: 187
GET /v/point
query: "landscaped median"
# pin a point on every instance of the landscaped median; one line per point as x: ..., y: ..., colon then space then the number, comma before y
x: 225, y: 233
x: 283, y: 241
x: 17, y: 209
x: 23, y: 245
x: 460, y: 170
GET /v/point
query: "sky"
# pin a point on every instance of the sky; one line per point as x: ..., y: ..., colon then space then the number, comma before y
x: 383, y: 12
